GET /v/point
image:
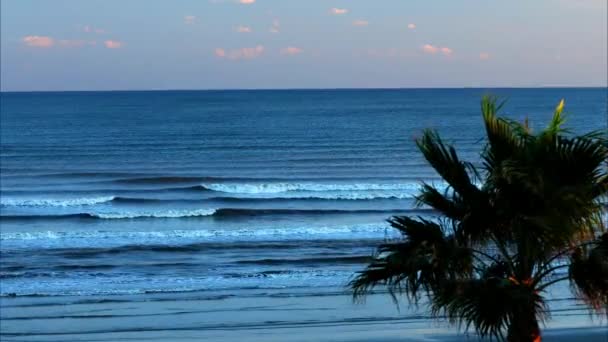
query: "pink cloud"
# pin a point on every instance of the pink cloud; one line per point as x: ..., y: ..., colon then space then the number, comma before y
x: 290, y: 50
x: 484, y: 56
x: 247, y: 2
x: 220, y: 52
x: 428, y: 48
x: 113, y: 44
x: 38, y: 41
x: 243, y: 29
x: 360, y: 23
x: 446, y: 51
x: 242, y: 53
x: 338, y: 11
x: 432, y: 49
x: 411, y: 26
x: 189, y: 19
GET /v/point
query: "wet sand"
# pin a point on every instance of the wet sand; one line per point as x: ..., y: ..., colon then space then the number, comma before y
x: 253, y: 316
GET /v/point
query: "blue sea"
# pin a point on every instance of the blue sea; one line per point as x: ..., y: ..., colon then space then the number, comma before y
x: 156, y: 196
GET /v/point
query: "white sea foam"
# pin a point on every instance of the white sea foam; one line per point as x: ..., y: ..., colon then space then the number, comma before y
x: 334, y: 195
x: 273, y: 188
x: 157, y: 214
x: 47, y: 202
x: 84, y: 238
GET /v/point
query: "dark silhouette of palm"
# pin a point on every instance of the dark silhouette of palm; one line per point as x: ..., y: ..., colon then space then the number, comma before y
x: 529, y: 217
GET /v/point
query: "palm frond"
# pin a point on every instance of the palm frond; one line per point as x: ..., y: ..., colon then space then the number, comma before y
x: 491, y: 305
x: 421, y: 261
x: 450, y: 207
x: 444, y: 159
x: 555, y: 126
x: 503, y: 140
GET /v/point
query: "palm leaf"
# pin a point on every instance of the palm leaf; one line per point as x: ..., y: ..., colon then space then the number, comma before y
x: 422, y: 260
x: 491, y: 305
x: 444, y: 159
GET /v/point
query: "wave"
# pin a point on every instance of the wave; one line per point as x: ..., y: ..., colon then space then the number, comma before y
x: 91, y: 201
x: 91, y: 237
x: 219, y: 213
x: 303, y: 196
x: 273, y: 188
x: 45, y: 202
x: 115, y: 215
x: 227, y: 212
x: 341, y: 260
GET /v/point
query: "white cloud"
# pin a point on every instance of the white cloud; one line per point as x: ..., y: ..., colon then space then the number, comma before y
x: 38, y: 41
x: 246, y: 2
x: 189, y: 19
x: 338, y: 11
x: 291, y: 50
x: 411, y: 26
x: 243, y: 29
x: 360, y: 23
x: 113, y: 44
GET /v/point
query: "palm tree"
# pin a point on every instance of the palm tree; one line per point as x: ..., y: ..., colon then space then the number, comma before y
x: 529, y: 217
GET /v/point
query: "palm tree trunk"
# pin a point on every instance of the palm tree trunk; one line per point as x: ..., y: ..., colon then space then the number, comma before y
x: 524, y: 328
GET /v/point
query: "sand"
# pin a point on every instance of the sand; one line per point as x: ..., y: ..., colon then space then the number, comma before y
x: 254, y: 316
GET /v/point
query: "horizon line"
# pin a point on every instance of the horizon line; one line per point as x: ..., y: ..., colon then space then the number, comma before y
x: 305, y: 88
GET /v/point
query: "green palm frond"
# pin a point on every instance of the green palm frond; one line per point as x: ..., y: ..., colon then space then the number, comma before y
x: 555, y: 126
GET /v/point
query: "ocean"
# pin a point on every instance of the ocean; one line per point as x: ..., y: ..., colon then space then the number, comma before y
x: 221, y: 198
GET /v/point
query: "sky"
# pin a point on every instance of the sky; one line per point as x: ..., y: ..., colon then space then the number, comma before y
x: 254, y: 44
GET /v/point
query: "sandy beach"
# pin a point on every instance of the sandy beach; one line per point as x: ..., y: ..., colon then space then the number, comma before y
x: 254, y: 316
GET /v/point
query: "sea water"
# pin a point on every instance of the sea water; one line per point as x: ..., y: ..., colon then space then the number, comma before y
x: 121, y: 195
